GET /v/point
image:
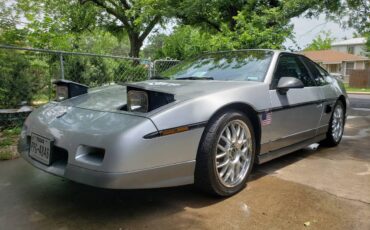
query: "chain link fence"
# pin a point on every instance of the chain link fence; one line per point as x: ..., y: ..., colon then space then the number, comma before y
x: 26, y: 76
x: 161, y: 65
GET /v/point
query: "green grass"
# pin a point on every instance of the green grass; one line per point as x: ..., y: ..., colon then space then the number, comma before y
x: 7, y: 155
x: 8, y: 143
x: 352, y: 89
x: 40, y: 99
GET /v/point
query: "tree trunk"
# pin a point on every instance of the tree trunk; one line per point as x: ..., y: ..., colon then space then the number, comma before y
x: 232, y: 11
x: 135, y: 45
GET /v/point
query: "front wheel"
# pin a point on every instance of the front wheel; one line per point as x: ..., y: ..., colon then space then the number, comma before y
x: 226, y: 154
x: 336, y: 126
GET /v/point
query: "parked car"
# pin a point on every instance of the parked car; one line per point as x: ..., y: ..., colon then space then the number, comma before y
x: 337, y: 76
x: 205, y: 121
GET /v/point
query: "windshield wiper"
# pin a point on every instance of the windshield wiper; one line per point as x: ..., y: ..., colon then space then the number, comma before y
x: 194, y: 78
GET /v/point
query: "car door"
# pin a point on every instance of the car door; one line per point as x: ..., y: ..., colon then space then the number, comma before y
x: 296, y: 114
x: 321, y: 78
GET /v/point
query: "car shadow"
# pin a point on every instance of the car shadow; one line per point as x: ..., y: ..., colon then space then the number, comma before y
x: 75, y: 204
x: 273, y: 166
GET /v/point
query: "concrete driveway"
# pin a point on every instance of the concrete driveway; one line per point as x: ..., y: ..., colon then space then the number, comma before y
x: 309, y: 189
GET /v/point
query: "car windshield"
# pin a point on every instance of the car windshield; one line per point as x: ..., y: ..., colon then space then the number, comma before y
x: 250, y: 65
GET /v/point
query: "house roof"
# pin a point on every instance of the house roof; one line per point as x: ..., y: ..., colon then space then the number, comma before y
x: 353, y: 41
x: 332, y: 56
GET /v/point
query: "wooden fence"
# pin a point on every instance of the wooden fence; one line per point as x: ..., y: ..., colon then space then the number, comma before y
x: 360, y: 78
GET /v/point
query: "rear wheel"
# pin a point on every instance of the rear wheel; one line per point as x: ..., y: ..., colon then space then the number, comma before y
x: 336, y: 126
x: 226, y: 155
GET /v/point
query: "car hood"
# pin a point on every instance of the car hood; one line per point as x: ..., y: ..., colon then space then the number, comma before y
x: 187, y: 89
x: 112, y: 98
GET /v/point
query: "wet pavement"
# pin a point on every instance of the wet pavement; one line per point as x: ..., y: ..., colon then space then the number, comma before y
x: 323, y: 188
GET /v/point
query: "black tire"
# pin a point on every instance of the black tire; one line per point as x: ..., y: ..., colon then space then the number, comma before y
x: 330, y: 141
x: 206, y: 177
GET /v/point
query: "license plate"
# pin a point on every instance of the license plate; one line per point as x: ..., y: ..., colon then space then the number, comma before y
x: 40, y: 148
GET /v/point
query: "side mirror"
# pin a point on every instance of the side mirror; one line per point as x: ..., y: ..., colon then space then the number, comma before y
x: 286, y: 83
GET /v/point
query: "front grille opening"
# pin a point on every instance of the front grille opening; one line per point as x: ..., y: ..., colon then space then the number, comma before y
x: 90, y: 155
x: 60, y: 156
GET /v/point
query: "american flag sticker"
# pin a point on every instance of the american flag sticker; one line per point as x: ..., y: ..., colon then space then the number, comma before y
x: 266, y: 117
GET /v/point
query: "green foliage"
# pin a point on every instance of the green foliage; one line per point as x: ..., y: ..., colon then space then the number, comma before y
x: 8, y: 142
x: 8, y: 136
x: 321, y: 42
x: 212, y: 25
x: 356, y: 14
x: 212, y: 15
x: 6, y: 155
x: 63, y: 25
x: 130, y: 71
x: 367, y: 36
x: 20, y: 78
x: 136, y: 18
x: 263, y: 28
x: 183, y: 43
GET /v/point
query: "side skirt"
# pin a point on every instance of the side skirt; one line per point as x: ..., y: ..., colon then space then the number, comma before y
x: 289, y: 149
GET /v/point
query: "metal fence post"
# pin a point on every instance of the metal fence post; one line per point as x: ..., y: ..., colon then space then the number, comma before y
x: 150, y: 69
x: 154, y: 70
x: 61, y: 66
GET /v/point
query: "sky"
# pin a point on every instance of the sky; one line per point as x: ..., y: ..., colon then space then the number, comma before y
x: 306, y: 30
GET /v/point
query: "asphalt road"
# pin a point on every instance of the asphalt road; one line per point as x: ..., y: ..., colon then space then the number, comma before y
x: 359, y: 101
x: 323, y: 188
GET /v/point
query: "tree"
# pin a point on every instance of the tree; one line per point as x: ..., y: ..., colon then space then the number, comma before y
x: 215, y: 14
x: 354, y: 14
x: 321, y: 42
x: 238, y: 24
x: 184, y: 42
x: 154, y: 47
x: 9, y: 18
x: 138, y: 18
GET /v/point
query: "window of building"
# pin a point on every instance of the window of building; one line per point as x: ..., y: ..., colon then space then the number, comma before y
x: 349, y: 67
x: 350, y: 49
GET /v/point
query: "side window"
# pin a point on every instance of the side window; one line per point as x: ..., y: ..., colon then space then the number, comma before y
x: 291, y: 66
x: 318, y: 74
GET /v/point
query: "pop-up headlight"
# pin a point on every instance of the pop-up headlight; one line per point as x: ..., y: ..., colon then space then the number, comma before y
x: 137, y: 101
x: 67, y: 89
x: 143, y: 101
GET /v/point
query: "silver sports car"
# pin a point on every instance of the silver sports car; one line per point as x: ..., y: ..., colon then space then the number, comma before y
x: 206, y: 121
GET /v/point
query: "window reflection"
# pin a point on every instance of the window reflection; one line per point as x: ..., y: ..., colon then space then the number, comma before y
x: 250, y: 65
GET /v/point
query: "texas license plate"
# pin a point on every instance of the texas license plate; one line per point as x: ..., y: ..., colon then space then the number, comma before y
x: 40, y: 148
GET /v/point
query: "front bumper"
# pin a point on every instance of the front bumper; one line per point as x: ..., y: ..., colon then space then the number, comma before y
x: 165, y: 176
x: 129, y: 160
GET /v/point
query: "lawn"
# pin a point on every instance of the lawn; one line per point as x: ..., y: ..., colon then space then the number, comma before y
x: 357, y: 90
x: 8, y: 143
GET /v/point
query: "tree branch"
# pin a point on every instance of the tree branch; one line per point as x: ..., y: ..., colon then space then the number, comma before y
x: 125, y: 4
x: 198, y: 19
x: 215, y: 25
x: 113, y: 11
x: 149, y: 27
